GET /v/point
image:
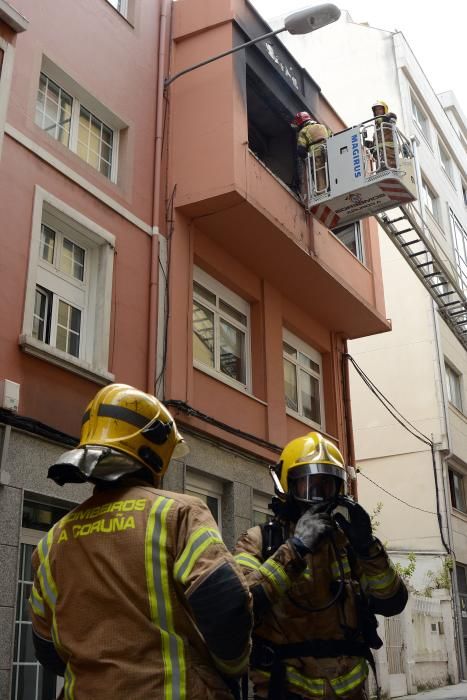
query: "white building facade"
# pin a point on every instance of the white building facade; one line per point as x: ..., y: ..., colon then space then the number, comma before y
x: 420, y: 366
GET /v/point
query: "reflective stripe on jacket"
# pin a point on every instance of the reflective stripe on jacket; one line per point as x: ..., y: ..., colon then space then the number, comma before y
x: 311, y: 135
x: 131, y: 588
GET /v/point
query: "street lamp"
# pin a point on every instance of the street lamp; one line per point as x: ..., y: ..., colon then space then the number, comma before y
x: 301, y: 22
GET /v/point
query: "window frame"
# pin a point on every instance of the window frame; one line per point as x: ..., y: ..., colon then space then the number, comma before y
x: 123, y: 10
x: 428, y: 194
x: 96, y: 319
x: 454, y: 391
x: 6, y: 77
x: 358, y: 236
x: 417, y: 110
x: 452, y: 475
x: 239, y: 304
x: 445, y: 157
x: 301, y: 347
x: 198, y: 484
x: 30, y: 537
x: 260, y: 503
x: 459, y: 241
x: 79, y: 101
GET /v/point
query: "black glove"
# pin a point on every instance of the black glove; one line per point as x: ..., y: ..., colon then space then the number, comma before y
x: 358, y: 530
x: 310, y: 530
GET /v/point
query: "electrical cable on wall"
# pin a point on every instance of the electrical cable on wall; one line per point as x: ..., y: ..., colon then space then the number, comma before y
x: 412, y: 429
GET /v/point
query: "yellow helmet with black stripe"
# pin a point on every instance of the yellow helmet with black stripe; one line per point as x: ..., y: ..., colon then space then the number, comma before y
x: 123, y: 429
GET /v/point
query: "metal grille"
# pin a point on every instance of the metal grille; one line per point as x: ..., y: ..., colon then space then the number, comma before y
x: 394, y: 644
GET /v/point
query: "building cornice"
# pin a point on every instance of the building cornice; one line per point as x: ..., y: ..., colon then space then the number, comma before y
x: 12, y: 17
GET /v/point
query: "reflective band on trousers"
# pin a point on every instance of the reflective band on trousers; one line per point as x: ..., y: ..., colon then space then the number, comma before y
x: 315, y: 687
x: 173, y: 652
x: 200, y: 540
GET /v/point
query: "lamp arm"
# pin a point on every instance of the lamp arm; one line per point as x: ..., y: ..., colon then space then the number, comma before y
x: 171, y: 78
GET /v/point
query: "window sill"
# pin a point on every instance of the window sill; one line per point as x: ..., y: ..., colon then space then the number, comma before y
x: 121, y: 15
x: 35, y: 347
x: 459, y: 514
x: 226, y: 380
x: 457, y: 410
x: 304, y: 420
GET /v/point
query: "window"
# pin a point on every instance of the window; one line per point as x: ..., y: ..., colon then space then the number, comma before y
x: 221, y: 322
x: 464, y: 194
x: 446, y: 161
x: 208, y: 489
x: 454, y: 389
x: 351, y: 237
x: 66, y: 120
x: 31, y: 681
x: 430, y: 201
x: 261, y: 510
x: 68, y: 302
x: 120, y: 5
x: 456, y: 487
x: 420, y: 119
x: 459, y: 236
x: 302, y: 380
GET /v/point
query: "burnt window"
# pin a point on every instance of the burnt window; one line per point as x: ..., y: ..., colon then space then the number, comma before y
x: 270, y: 136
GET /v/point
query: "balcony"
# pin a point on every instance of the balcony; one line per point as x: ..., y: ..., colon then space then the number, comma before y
x: 233, y: 164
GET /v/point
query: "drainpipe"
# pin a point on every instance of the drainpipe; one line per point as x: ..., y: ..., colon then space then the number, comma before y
x: 153, y: 285
x: 4, y: 475
x: 444, y: 459
x: 348, y: 418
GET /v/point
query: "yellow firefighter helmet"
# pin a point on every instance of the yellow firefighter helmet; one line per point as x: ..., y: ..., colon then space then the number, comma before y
x: 311, y: 468
x: 123, y: 429
x: 380, y: 103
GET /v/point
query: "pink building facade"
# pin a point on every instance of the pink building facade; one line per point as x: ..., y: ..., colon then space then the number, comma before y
x: 156, y: 238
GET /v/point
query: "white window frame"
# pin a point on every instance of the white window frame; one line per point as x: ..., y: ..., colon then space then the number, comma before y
x: 260, y: 504
x: 457, y: 474
x: 360, y: 254
x: 198, y: 484
x: 459, y: 238
x: 229, y: 297
x: 31, y: 537
x: 429, y: 195
x: 447, y: 165
x: 94, y: 348
x: 464, y: 193
x: 82, y: 98
x: 454, y: 387
x: 123, y: 9
x: 6, y: 77
x: 422, y: 124
x: 316, y: 357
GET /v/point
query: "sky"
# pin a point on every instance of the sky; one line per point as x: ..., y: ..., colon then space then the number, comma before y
x: 435, y: 31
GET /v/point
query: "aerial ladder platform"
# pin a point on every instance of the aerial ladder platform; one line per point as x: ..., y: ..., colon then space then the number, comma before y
x: 369, y: 170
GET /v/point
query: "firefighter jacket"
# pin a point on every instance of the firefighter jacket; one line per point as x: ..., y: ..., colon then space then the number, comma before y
x: 310, y: 136
x: 140, y: 598
x: 287, y: 589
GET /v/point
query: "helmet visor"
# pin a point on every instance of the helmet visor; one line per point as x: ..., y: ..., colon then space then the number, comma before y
x: 315, y: 483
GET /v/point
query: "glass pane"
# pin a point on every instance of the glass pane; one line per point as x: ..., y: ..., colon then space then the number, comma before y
x: 305, y: 361
x: 75, y: 319
x: 237, y: 315
x: 53, y: 110
x: 63, y: 313
x: 347, y: 236
x: 72, y: 260
x: 290, y: 382
x: 309, y: 391
x: 26, y: 647
x: 47, y: 685
x: 47, y: 244
x: 259, y: 517
x: 61, y: 339
x: 95, y: 142
x: 26, y: 592
x: 40, y: 516
x: 39, y: 318
x: 26, y: 682
x: 289, y: 350
x: 232, y: 352
x: 73, y: 344
x: 213, y: 505
x: 204, y: 293
x: 203, y: 334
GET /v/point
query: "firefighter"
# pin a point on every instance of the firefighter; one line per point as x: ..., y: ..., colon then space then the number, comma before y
x: 384, y: 142
x: 311, y: 138
x: 317, y: 580
x: 135, y: 595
